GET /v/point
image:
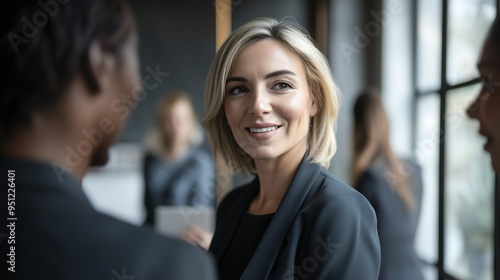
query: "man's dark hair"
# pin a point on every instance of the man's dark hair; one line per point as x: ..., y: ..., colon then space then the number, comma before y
x: 45, y: 44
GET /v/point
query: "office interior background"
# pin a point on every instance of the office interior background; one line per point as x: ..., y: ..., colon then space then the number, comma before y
x: 421, y: 54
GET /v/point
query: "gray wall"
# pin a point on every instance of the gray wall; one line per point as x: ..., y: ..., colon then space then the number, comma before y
x: 355, y: 65
x: 179, y: 36
x: 246, y: 10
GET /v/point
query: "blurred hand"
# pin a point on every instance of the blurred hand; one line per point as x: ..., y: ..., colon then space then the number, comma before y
x: 198, y: 236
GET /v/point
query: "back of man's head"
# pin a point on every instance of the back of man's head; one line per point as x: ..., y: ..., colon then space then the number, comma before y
x: 44, y: 45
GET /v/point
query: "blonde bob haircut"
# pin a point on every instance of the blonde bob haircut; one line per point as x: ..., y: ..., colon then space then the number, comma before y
x: 321, y: 140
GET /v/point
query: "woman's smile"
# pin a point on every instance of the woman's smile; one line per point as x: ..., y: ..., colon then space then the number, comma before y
x: 262, y: 131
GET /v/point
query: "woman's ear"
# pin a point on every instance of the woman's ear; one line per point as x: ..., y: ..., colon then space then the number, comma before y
x: 313, y: 105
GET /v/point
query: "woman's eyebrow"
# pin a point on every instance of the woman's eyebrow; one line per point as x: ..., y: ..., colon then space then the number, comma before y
x: 279, y: 73
x: 236, y: 79
x: 270, y: 75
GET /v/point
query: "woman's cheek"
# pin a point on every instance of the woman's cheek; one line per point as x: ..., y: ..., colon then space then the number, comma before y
x: 234, y: 115
x: 294, y: 107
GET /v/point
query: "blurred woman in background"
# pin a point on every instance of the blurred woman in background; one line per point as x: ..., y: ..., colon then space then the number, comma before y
x: 176, y: 172
x: 393, y: 187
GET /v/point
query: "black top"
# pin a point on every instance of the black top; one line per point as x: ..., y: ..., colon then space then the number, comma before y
x: 243, y: 246
x: 396, y: 225
x: 59, y: 235
x: 322, y: 230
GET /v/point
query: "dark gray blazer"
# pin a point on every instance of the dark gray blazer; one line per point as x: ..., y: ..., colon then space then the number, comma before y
x: 323, y: 229
x: 396, y: 226
x: 59, y: 235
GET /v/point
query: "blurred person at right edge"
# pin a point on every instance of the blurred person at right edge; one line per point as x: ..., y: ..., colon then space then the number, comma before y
x: 486, y: 108
x: 393, y: 187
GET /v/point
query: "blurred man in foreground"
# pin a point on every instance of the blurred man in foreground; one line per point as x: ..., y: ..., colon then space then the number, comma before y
x: 70, y: 77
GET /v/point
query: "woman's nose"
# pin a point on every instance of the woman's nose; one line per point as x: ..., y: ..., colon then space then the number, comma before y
x: 260, y: 104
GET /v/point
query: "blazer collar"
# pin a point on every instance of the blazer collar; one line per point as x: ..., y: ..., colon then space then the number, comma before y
x: 265, y: 255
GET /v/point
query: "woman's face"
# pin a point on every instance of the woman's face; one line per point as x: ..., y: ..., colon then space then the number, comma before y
x: 486, y: 108
x: 268, y: 104
x: 178, y: 122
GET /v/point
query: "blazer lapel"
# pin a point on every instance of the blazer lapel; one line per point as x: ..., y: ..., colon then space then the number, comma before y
x: 230, y: 222
x: 264, y: 257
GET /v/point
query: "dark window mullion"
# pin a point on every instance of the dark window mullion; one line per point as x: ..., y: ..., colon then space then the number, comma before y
x: 496, y: 206
x: 442, y: 147
x: 451, y: 87
x: 414, y: 67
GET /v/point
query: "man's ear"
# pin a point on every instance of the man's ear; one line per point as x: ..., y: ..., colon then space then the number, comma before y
x: 98, y: 66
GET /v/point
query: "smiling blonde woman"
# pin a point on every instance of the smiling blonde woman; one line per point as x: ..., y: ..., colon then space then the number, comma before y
x: 271, y: 108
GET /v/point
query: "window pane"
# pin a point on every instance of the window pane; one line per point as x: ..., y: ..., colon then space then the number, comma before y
x: 468, y: 23
x: 427, y: 154
x: 429, y: 45
x: 430, y: 272
x: 469, y: 193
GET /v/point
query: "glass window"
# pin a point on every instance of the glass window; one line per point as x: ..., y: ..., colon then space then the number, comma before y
x: 430, y: 272
x: 469, y: 180
x: 469, y: 193
x: 427, y: 154
x: 468, y: 23
x: 429, y: 45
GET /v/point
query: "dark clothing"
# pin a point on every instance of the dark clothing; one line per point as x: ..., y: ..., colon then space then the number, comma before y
x: 245, y: 241
x: 322, y: 229
x: 59, y: 235
x: 190, y: 181
x: 396, y: 226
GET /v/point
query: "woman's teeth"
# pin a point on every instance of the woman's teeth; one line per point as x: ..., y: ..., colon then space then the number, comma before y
x: 264, y: 129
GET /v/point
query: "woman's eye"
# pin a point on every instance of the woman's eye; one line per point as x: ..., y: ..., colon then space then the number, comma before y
x: 237, y: 90
x: 282, y: 85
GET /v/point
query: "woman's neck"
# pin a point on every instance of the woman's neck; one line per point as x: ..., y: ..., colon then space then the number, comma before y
x: 176, y: 152
x: 275, y: 175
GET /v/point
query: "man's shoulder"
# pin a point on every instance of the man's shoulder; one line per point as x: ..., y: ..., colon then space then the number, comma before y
x: 62, y: 220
